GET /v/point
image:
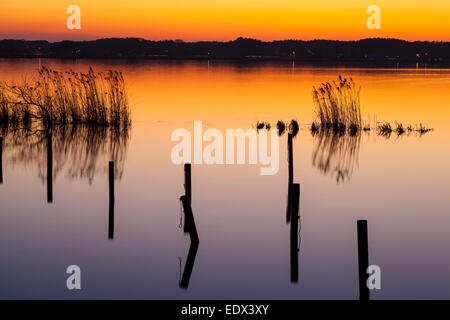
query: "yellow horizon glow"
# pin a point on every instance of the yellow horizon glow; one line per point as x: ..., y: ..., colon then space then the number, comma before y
x: 195, y: 20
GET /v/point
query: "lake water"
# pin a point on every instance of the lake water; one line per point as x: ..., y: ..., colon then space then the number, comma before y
x: 398, y: 184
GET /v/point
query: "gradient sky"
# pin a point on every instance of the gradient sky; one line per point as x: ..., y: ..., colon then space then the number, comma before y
x: 226, y: 19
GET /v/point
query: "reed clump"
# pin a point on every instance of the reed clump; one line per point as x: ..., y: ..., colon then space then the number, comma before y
x: 384, y: 129
x: 338, y: 105
x: 400, y: 129
x: 281, y: 126
x: 421, y: 129
x: 293, y: 127
x: 54, y: 97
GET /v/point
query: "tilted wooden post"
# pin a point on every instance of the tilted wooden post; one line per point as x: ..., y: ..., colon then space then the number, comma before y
x: 189, y: 218
x: 188, y: 191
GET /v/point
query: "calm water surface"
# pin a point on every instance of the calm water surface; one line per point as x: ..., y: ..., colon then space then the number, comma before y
x: 399, y: 184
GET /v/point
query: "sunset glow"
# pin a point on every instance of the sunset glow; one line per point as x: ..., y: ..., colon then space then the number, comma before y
x: 226, y: 20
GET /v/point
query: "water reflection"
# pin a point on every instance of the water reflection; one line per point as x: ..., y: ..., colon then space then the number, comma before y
x: 111, y: 200
x: 190, y: 261
x: 295, y: 231
x: 76, y: 151
x: 336, y: 153
x: 49, y: 167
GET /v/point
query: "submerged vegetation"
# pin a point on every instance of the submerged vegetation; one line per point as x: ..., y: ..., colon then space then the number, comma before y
x: 385, y: 129
x: 338, y: 106
x: 282, y: 127
x: 263, y: 125
x: 98, y: 99
x: 336, y: 149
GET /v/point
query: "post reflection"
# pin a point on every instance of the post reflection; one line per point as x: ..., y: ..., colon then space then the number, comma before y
x: 49, y: 168
x: 294, y: 231
x: 189, y: 266
x: 363, y: 259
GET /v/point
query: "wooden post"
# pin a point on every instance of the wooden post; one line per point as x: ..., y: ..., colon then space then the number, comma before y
x: 294, y: 231
x: 291, y: 177
x: 1, y: 160
x: 363, y: 259
x: 184, y: 283
x: 188, y: 191
x: 49, y: 168
x: 187, y: 181
x: 111, y: 200
x: 189, y: 218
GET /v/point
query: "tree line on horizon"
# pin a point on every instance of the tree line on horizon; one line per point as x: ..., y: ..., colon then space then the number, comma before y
x: 365, y: 50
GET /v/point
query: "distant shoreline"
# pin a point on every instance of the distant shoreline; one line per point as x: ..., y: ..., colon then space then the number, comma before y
x: 366, y: 52
x: 248, y: 63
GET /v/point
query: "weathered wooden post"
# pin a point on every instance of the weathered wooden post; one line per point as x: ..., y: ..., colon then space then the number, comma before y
x: 187, y: 181
x: 1, y: 160
x: 188, y: 191
x: 363, y: 259
x: 111, y: 200
x: 189, y: 218
x: 190, y: 261
x: 49, y: 168
x: 294, y: 231
x: 291, y: 177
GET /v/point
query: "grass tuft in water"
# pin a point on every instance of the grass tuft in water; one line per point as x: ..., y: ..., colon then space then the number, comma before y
x: 293, y: 127
x: 281, y: 126
x: 384, y: 129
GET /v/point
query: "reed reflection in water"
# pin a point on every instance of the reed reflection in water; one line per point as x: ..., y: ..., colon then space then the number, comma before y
x: 336, y: 153
x: 77, y: 151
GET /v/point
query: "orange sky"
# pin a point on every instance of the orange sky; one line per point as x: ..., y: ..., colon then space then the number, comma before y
x: 226, y: 19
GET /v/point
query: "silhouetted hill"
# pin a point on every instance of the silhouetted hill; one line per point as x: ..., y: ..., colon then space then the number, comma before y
x: 366, y: 50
